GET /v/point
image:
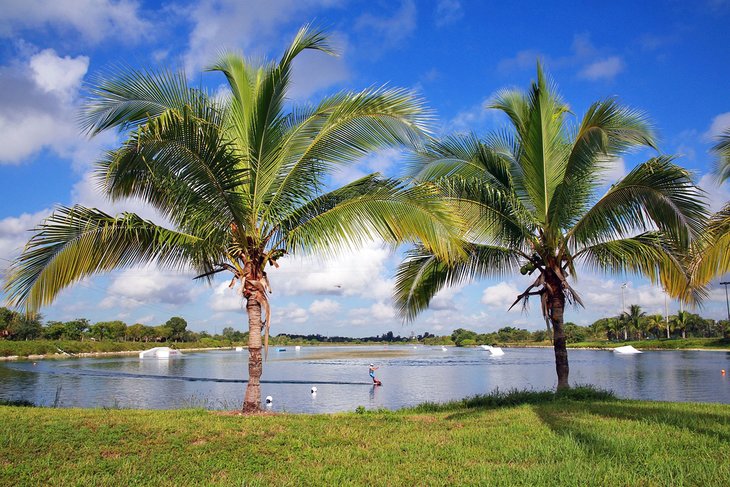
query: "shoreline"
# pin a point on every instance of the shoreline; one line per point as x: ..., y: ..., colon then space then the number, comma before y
x: 56, y: 356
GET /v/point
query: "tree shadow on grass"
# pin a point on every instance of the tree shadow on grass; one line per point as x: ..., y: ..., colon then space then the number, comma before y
x: 567, y: 421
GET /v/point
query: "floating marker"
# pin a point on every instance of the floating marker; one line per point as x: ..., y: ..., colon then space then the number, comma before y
x: 722, y: 371
x: 269, y: 399
x: 314, y: 390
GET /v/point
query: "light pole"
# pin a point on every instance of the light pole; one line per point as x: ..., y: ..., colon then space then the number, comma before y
x: 726, y: 299
x: 623, y: 308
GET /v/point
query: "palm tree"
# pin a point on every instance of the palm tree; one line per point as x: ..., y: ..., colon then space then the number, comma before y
x: 654, y: 324
x: 632, y: 318
x: 241, y: 181
x: 530, y: 195
x: 680, y: 322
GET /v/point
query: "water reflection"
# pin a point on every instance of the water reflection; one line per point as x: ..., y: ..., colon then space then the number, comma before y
x: 410, y: 376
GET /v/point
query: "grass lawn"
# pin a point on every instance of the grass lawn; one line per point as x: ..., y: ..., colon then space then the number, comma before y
x: 535, y: 441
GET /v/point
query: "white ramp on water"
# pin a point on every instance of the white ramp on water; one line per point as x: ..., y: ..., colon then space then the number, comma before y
x: 160, y: 352
x: 626, y: 350
x: 495, y: 351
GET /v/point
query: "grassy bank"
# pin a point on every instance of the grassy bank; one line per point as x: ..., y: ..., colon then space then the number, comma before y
x: 664, y: 344
x: 49, y: 347
x: 529, y: 440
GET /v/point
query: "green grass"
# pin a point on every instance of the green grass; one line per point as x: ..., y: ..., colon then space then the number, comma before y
x: 10, y: 348
x: 532, y: 438
x: 663, y: 344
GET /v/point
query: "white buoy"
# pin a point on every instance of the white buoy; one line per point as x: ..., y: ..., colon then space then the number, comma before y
x: 314, y: 390
x: 297, y: 348
x: 239, y: 349
x: 269, y: 399
x: 443, y: 349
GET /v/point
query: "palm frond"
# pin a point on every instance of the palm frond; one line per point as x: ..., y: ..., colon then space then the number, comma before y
x: 422, y: 274
x: 607, y: 131
x: 657, y: 194
x: 722, y: 150
x: 712, y: 257
x: 342, y: 129
x: 74, y: 243
x: 180, y: 163
x: 373, y: 208
x: 125, y: 97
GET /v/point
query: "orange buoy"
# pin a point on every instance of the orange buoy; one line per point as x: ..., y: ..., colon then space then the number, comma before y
x: 722, y: 371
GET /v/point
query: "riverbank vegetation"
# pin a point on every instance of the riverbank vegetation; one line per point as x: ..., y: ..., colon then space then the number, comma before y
x: 509, y: 439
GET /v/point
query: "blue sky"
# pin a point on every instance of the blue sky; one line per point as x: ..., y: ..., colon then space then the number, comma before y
x: 669, y: 59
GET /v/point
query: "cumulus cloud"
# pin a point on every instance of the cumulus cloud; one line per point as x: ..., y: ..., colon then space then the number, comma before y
x: 476, y: 118
x: 258, y: 29
x: 93, y: 19
x: 14, y: 233
x: 719, y: 125
x: 136, y: 287
x: 360, y: 273
x: 603, y: 69
x: 324, y: 307
x: 501, y: 295
x: 717, y: 195
x: 38, y: 106
x: 385, y: 161
x: 58, y: 75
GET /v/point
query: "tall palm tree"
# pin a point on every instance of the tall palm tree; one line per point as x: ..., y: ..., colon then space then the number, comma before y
x: 240, y: 178
x: 530, y: 195
x: 632, y: 318
x: 680, y: 322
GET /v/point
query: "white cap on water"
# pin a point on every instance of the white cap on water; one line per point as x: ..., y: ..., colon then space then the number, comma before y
x: 269, y: 399
x: 314, y: 390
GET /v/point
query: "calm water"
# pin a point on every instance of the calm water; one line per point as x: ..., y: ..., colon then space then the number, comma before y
x: 410, y: 376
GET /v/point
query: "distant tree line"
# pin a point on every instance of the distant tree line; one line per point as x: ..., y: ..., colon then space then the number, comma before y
x: 18, y: 326
x: 634, y: 324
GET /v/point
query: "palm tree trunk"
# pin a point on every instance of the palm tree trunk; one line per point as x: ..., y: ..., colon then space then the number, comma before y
x: 252, y: 400
x: 557, y: 307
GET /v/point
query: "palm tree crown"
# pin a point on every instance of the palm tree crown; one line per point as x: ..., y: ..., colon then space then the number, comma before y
x: 241, y: 179
x: 530, y: 195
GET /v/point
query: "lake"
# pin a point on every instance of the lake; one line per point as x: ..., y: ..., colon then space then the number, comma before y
x: 410, y: 376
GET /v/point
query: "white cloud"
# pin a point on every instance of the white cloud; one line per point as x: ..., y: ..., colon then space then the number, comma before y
x: 444, y: 299
x: 254, y: 28
x: 615, y: 170
x: 14, y: 234
x: 360, y: 273
x: 58, y: 75
x: 386, y: 162
x: 603, y: 69
x: 448, y: 12
x: 226, y: 299
x: 38, y: 107
x: 593, y: 62
x: 93, y: 19
x: 501, y: 295
x: 389, y: 30
x: 324, y: 307
x: 476, y: 118
x: 717, y: 195
x: 136, y: 287
x: 382, y: 311
x: 720, y: 124
x: 288, y: 315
